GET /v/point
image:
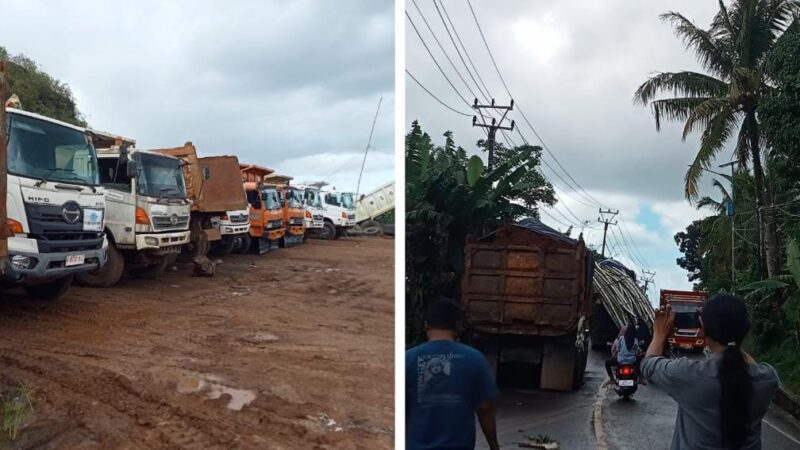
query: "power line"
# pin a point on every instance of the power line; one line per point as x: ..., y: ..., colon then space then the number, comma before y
x: 464, y: 47
x: 435, y: 97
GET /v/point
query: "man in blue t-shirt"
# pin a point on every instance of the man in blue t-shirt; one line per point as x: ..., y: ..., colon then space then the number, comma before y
x: 447, y: 384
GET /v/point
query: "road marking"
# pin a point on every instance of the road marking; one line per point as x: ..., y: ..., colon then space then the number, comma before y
x: 597, y: 414
x: 781, y: 431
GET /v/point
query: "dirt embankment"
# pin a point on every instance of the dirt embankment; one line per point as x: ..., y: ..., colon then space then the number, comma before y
x: 293, y: 349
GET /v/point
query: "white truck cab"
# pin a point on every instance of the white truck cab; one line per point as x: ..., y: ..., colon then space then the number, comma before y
x: 312, y: 200
x: 147, y: 219
x: 338, y: 211
x: 56, y: 205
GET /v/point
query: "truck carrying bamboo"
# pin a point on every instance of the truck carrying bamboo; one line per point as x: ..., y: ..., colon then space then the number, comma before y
x: 622, y: 298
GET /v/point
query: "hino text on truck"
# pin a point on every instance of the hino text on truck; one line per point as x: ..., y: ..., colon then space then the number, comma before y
x: 147, y: 216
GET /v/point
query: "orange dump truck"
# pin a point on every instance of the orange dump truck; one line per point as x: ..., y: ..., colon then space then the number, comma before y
x: 267, y: 226
x: 214, y: 186
x: 688, y: 333
x: 293, y: 210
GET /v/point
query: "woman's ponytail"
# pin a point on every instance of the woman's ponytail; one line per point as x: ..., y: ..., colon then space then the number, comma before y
x: 734, y: 402
x: 725, y: 321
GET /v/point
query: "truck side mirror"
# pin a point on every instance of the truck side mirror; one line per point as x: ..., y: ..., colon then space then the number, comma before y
x: 132, y: 169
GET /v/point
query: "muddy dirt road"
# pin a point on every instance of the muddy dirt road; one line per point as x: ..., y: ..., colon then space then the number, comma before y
x: 293, y: 349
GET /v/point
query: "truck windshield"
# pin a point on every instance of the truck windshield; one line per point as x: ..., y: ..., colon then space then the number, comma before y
x: 348, y: 200
x: 160, y: 176
x: 294, y: 198
x: 44, y: 150
x: 686, y: 314
x: 312, y: 198
x: 271, y: 199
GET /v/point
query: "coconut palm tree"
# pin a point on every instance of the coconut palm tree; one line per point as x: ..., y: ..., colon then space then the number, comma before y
x: 721, y: 104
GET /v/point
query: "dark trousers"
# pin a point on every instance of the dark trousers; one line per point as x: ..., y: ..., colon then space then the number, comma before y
x: 610, y: 364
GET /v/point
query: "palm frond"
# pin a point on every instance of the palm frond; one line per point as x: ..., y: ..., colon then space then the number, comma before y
x: 719, y: 129
x: 674, y: 109
x: 702, y: 114
x: 711, y: 56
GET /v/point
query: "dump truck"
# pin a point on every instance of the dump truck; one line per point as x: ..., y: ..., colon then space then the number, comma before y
x: 339, y: 214
x: 147, y: 210
x: 293, y: 215
x: 373, y: 205
x: 219, y: 205
x: 55, y: 205
x: 688, y: 333
x: 526, y: 296
x: 314, y: 215
x: 267, y: 225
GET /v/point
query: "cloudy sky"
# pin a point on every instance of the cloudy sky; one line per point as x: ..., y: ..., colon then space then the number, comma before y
x: 573, y: 68
x: 290, y: 85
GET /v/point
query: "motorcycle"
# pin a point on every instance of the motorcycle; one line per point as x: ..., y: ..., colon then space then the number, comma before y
x: 627, y: 380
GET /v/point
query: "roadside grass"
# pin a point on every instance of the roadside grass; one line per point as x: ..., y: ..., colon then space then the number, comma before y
x: 16, y: 404
x: 786, y: 360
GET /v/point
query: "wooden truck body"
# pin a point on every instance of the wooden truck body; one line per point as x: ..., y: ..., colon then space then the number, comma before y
x: 526, y: 294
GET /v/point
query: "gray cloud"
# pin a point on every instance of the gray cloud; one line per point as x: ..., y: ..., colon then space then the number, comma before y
x: 269, y: 81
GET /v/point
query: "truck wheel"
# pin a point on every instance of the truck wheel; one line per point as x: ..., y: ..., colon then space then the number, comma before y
x: 108, y: 275
x: 327, y: 232
x: 222, y: 248
x: 152, y: 271
x: 245, y: 247
x: 50, y: 291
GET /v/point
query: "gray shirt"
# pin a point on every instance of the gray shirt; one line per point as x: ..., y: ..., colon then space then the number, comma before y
x: 694, y: 385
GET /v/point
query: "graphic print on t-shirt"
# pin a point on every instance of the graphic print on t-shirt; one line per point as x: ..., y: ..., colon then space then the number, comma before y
x: 434, y: 383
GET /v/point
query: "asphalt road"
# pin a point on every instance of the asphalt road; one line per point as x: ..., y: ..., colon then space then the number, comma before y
x: 646, y: 422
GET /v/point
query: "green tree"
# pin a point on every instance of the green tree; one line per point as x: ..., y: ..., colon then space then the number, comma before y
x: 450, y: 196
x: 540, y: 190
x: 39, y: 92
x: 723, y: 102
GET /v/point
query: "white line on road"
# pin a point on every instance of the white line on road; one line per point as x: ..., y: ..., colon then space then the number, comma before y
x: 774, y: 427
x: 598, y: 418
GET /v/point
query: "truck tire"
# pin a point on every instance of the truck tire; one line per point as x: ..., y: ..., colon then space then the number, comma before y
x: 245, y: 247
x: 327, y: 232
x: 222, y: 248
x: 108, y: 275
x: 152, y: 271
x: 50, y: 291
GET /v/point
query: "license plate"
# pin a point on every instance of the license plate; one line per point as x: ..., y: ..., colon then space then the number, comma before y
x: 625, y: 383
x: 686, y: 346
x: 74, y: 260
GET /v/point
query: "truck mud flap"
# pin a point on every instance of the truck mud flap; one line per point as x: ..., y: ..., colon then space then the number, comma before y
x: 559, y: 360
x: 292, y: 240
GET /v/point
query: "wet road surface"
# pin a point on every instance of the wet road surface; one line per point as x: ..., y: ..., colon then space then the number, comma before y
x: 647, y: 422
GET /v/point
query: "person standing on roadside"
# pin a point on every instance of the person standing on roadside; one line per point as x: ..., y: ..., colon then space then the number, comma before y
x: 721, y: 399
x: 447, y: 385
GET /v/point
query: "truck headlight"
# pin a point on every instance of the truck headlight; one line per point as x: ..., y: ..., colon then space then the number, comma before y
x: 21, y: 262
x: 151, y: 241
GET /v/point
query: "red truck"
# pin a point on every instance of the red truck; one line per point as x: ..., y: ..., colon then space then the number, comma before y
x: 688, y: 333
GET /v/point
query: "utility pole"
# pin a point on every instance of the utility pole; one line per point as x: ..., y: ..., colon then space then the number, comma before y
x: 648, y: 277
x: 369, y: 142
x: 493, y: 127
x: 3, y: 166
x: 731, y: 211
x: 605, y: 219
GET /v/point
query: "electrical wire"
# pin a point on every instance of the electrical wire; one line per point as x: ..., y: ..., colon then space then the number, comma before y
x: 435, y: 97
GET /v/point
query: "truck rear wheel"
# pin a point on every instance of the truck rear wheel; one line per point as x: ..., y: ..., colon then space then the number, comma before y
x: 222, y: 248
x: 245, y: 247
x: 50, y: 291
x: 108, y: 275
x: 327, y: 232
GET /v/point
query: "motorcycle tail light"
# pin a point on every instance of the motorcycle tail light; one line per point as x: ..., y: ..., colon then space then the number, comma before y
x: 625, y: 370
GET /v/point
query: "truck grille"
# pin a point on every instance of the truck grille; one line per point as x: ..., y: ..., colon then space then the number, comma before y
x: 174, y: 222
x: 317, y: 217
x: 274, y: 223
x: 68, y: 242
x: 351, y: 216
x: 295, y: 221
x: 240, y: 219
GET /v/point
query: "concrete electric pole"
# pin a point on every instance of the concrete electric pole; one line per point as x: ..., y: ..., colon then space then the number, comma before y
x: 493, y: 127
x: 605, y: 219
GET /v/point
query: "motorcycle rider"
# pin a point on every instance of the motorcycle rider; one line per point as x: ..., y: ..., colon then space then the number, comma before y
x: 624, y: 351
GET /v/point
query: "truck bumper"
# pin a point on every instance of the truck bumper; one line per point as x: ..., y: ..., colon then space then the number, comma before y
x: 162, y: 243
x: 228, y: 230
x: 49, y: 266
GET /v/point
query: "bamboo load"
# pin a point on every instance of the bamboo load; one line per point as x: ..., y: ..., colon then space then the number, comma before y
x: 621, y: 296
